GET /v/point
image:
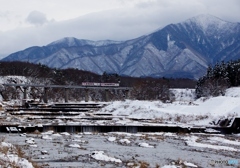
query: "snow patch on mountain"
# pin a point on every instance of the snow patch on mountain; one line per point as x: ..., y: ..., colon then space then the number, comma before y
x: 183, y: 50
x: 209, y: 23
x: 71, y: 42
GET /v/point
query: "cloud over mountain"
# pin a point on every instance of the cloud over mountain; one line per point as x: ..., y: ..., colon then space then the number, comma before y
x: 185, y: 49
x: 97, y: 20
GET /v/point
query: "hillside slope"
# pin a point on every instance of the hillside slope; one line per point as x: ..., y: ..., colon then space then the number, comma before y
x: 178, y: 50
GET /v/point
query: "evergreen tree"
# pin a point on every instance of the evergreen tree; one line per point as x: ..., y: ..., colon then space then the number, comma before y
x: 218, y: 78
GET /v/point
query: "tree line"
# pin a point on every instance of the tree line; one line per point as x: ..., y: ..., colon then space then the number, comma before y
x: 146, y: 88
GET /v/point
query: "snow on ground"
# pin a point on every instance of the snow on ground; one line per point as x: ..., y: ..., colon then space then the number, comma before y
x: 74, y: 145
x: 111, y: 139
x: 184, y: 110
x: 192, y: 141
x: 46, y: 137
x: 9, y: 157
x: 189, y: 164
x: 220, y: 140
x: 30, y: 141
x: 15, y: 79
x: 169, y: 166
x: 99, y: 155
x: 145, y: 145
x: 124, y: 141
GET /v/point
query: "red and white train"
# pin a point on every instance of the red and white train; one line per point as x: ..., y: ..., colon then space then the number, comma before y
x: 100, y: 84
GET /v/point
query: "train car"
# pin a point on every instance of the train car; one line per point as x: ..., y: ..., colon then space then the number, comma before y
x: 100, y: 84
x: 91, y: 84
x: 110, y: 84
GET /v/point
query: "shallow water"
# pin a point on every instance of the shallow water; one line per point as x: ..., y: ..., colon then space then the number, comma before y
x: 167, y: 148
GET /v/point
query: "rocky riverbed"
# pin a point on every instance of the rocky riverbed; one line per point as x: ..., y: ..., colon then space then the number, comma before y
x: 114, y: 149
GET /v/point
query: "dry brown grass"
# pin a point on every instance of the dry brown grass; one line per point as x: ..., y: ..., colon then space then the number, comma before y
x: 37, y: 132
x: 152, y: 137
x: 19, y: 151
x: 132, y: 164
x: 140, y: 164
x: 2, y: 139
x: 144, y: 164
x: 180, y: 163
x: 3, y: 149
x: 145, y: 137
x: 202, y: 117
x: 16, y: 150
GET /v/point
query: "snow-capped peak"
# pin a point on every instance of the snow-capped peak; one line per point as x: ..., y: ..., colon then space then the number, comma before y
x: 63, y: 40
x: 207, y: 21
x: 72, y: 42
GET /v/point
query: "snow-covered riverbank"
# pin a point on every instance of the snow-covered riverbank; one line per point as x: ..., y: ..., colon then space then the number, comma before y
x: 185, y: 109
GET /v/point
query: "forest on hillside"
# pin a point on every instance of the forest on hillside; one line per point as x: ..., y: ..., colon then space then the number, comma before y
x: 142, y: 88
x: 218, y: 78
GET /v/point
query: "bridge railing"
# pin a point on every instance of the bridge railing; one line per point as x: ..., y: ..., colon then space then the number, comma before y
x: 66, y: 87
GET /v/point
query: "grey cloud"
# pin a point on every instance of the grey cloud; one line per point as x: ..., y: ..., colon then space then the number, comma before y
x: 36, y: 18
x: 118, y: 24
x: 4, y: 14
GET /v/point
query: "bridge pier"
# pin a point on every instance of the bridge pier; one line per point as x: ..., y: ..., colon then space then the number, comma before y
x: 45, y: 96
x: 106, y: 95
x: 128, y: 94
x: 66, y: 95
x: 25, y: 93
x: 86, y: 95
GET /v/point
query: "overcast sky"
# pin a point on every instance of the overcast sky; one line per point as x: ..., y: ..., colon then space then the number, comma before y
x: 25, y: 23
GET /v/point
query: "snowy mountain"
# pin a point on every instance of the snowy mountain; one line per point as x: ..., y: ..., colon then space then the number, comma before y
x: 178, y: 50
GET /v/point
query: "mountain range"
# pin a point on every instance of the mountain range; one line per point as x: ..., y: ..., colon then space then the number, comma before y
x: 182, y: 50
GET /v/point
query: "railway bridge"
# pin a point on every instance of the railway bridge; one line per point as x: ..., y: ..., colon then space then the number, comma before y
x: 66, y: 88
